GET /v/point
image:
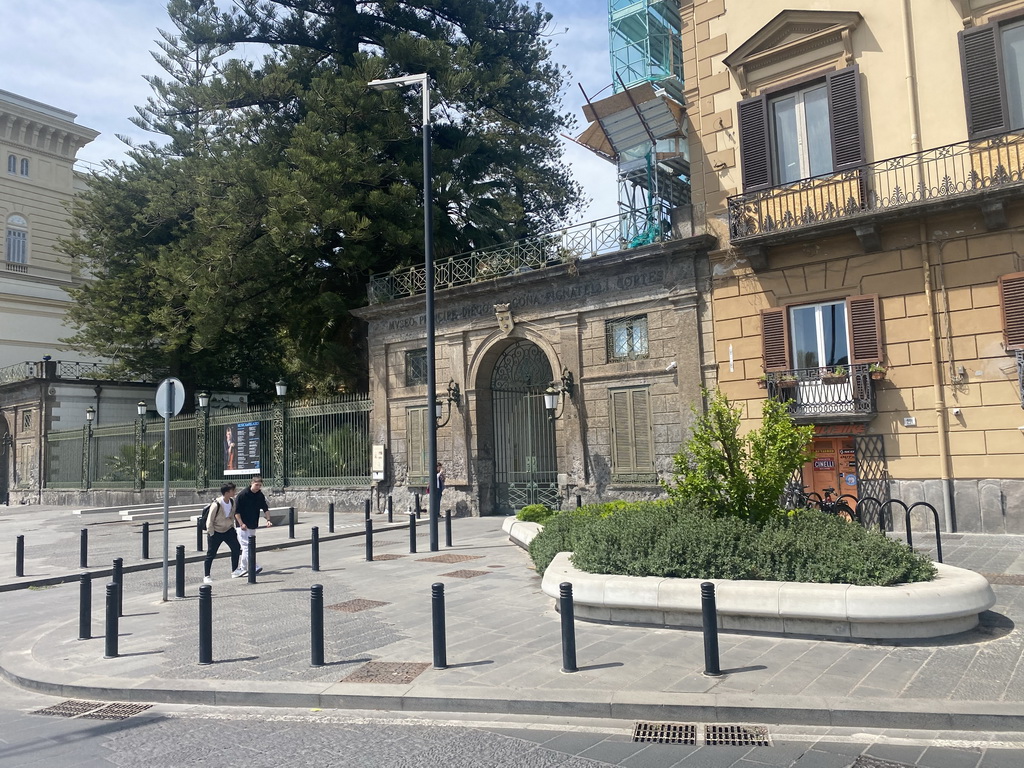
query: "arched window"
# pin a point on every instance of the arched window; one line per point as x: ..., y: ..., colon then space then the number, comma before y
x: 24, y: 166
x: 12, y: 164
x: 17, y: 239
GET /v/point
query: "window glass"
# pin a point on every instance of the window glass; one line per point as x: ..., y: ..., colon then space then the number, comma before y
x: 819, y: 137
x: 627, y: 338
x: 819, y: 335
x: 12, y: 164
x: 415, y: 367
x: 801, y: 135
x: 1013, y: 65
x: 787, y: 143
x: 17, y: 240
x: 24, y: 166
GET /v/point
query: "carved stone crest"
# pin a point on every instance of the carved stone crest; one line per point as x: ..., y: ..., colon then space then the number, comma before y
x: 504, y: 315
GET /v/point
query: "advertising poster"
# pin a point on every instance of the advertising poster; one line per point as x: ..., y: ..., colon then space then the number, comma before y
x: 242, y: 448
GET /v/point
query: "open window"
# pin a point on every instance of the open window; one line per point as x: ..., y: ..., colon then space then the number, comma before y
x: 822, y: 335
x: 992, y: 59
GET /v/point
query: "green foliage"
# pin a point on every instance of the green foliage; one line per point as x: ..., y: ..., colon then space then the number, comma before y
x: 740, y: 476
x: 534, y: 513
x: 676, y: 539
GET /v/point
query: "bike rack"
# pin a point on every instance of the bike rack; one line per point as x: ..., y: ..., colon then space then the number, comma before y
x: 882, y: 510
x: 863, y: 500
x: 935, y: 515
x: 852, y: 507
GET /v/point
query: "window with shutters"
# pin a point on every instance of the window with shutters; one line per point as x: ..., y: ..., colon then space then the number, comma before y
x: 824, y: 335
x: 632, y: 438
x: 416, y: 445
x: 992, y: 58
x: 415, y: 367
x: 626, y: 338
x: 1011, y: 302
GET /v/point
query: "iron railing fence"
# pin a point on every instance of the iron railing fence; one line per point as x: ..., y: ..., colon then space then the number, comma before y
x: 816, y: 392
x: 942, y: 173
x: 307, y: 444
x: 17, y: 372
x: 328, y: 442
x: 629, y: 229
x: 65, y: 369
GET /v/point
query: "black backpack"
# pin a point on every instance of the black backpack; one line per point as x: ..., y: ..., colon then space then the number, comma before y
x: 206, y: 511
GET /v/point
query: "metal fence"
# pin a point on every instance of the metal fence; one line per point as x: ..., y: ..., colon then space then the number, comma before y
x: 308, y: 444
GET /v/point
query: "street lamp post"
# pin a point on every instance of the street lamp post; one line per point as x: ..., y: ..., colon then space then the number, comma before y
x: 139, y: 469
x: 433, y: 499
x: 90, y: 414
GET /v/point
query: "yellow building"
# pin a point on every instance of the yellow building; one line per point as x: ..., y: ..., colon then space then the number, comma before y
x: 861, y: 165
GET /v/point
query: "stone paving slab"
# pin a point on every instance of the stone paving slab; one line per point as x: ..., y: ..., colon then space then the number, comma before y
x: 503, y: 642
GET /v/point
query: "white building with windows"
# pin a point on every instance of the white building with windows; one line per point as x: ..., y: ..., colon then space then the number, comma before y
x: 38, y: 144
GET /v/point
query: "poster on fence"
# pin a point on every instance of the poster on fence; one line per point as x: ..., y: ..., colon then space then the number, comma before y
x: 242, y: 448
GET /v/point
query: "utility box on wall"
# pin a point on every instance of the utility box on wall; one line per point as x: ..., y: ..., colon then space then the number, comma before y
x: 377, y: 463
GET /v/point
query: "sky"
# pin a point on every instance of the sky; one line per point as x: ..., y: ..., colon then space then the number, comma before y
x: 89, y: 57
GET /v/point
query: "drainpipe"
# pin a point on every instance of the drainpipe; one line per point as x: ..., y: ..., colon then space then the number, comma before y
x: 941, y: 416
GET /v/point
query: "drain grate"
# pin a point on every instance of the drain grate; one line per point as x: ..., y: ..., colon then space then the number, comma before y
x: 387, y: 557
x: 665, y: 733
x: 448, y: 558
x: 388, y: 672
x: 355, y: 606
x: 117, y: 711
x: 736, y: 736
x: 70, y: 708
x: 465, y: 574
x: 864, y: 761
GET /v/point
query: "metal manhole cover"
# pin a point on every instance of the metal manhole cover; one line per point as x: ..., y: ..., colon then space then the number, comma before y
x: 449, y: 558
x: 665, y: 733
x: 873, y: 762
x: 736, y: 736
x: 1009, y: 579
x: 117, y: 711
x: 388, y: 672
x: 70, y: 708
x: 465, y: 574
x: 354, y: 606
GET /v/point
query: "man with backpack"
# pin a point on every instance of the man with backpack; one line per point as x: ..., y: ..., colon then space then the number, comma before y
x: 220, y: 528
x: 250, y: 504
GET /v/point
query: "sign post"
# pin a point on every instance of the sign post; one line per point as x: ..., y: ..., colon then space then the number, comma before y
x: 170, y: 398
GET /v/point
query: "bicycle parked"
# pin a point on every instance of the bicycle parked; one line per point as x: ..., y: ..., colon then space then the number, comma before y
x: 827, y: 504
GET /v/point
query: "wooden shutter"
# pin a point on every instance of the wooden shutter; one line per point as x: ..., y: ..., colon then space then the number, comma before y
x: 416, y: 443
x: 632, y: 443
x: 1011, y: 301
x: 775, y: 339
x: 622, y: 456
x: 643, y: 442
x: 845, y: 118
x: 865, y: 328
x: 755, y: 147
x: 984, y: 81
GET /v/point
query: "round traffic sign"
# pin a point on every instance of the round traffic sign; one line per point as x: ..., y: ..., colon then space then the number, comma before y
x: 176, y: 390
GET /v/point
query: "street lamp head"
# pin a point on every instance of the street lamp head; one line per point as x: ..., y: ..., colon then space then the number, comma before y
x: 282, y: 387
x: 204, y: 399
x: 394, y: 83
x: 142, y: 407
x: 90, y: 413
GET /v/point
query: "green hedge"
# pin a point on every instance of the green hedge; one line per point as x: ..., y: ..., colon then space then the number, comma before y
x: 675, y: 539
x: 535, y: 513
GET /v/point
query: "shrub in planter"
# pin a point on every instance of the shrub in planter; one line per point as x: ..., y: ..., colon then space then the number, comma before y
x: 534, y: 513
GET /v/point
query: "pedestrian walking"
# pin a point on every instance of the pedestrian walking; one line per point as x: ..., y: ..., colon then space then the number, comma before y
x: 220, y: 525
x: 249, y: 506
x: 440, y: 482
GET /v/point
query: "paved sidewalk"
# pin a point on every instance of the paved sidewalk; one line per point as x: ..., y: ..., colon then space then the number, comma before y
x: 503, y: 640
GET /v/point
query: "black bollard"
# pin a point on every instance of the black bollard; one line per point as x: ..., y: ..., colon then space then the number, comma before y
x: 366, y: 509
x: 330, y: 517
x: 118, y: 578
x: 437, y: 620
x: 145, y: 541
x: 200, y: 532
x: 252, y: 557
x: 447, y: 527
x: 369, y: 540
x: 85, y: 607
x: 316, y: 625
x: 19, y: 556
x: 314, y: 542
x: 565, y: 608
x: 710, y: 615
x: 391, y: 510
x: 291, y: 522
x: 205, y: 624
x: 417, y: 497
x: 179, y: 570
x: 110, y: 644
x: 412, y: 533
x: 83, y: 549
x: 579, y: 501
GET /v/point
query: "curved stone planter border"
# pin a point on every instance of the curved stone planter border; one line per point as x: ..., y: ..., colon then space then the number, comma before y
x: 947, y: 605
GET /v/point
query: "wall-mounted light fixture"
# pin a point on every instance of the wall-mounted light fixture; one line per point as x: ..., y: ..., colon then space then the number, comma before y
x: 555, y: 394
x: 454, y: 395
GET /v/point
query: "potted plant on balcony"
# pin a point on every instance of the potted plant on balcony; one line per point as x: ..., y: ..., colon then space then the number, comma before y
x: 877, y: 371
x: 837, y: 375
x: 786, y: 381
x: 762, y: 381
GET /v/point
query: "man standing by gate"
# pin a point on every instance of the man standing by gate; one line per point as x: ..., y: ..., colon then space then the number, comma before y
x: 249, y: 505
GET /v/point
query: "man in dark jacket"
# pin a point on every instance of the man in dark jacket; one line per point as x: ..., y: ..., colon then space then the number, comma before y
x: 249, y: 505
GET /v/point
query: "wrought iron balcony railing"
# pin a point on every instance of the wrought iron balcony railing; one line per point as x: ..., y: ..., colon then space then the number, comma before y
x: 945, y: 173
x: 64, y: 369
x: 630, y: 229
x: 818, y: 392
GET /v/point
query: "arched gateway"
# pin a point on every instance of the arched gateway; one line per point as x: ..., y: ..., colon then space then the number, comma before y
x: 525, y: 467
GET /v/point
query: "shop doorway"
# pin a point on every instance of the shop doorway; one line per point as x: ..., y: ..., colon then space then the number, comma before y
x: 834, y: 466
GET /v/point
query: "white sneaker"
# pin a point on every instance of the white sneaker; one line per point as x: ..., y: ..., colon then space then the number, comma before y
x: 238, y: 572
x: 259, y: 569
x: 207, y: 580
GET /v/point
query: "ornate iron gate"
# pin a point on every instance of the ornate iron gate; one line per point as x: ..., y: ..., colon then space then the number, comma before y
x: 525, y: 470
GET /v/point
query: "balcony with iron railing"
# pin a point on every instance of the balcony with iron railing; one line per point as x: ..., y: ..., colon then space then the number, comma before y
x: 825, y: 394
x: 629, y: 229
x: 64, y: 370
x: 970, y: 172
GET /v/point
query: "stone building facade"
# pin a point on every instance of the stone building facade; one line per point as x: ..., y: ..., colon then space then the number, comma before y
x: 624, y: 338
